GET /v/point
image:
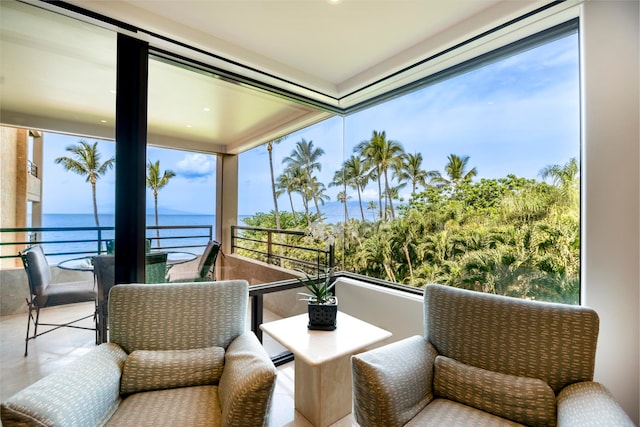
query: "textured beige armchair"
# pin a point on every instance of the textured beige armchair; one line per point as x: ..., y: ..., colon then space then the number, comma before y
x: 487, y: 360
x: 179, y: 355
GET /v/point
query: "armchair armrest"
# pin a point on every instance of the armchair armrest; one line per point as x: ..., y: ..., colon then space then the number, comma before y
x: 391, y: 384
x: 247, y: 383
x: 85, y: 392
x: 589, y: 404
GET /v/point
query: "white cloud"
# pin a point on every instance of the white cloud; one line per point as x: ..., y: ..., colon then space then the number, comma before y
x: 368, y: 194
x: 194, y: 166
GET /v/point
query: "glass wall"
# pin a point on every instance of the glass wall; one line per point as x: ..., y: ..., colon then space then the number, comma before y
x: 471, y: 180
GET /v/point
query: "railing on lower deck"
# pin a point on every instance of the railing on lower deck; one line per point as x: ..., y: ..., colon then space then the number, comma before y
x: 285, y: 248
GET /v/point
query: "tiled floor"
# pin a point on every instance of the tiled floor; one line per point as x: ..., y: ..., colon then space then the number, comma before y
x: 52, y: 351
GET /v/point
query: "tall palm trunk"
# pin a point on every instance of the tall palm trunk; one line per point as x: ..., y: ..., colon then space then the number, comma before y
x: 95, y: 202
x: 293, y: 212
x: 380, y: 193
x: 305, y: 203
x: 275, y: 200
x: 155, y: 209
x: 315, y: 202
x: 273, y: 185
x: 388, y: 191
x: 360, y: 202
x: 408, y: 257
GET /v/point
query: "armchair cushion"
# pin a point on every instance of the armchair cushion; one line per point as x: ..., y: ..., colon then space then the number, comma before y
x: 524, y: 400
x: 83, y: 393
x: 444, y: 412
x: 392, y: 384
x: 155, y: 370
x: 590, y: 404
x: 184, y: 406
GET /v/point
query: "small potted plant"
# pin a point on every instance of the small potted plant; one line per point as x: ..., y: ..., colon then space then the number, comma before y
x: 322, y: 305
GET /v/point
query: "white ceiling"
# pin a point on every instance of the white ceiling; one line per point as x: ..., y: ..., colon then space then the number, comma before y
x: 328, y: 46
x: 332, y: 53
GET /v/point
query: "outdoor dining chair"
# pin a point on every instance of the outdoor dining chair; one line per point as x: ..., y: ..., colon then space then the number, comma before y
x: 43, y: 293
x: 204, y: 270
x: 155, y: 267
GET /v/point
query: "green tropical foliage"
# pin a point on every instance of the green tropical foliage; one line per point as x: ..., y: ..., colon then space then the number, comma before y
x: 509, y: 236
x: 85, y: 161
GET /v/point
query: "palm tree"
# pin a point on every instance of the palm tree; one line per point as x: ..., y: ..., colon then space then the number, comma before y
x: 457, y: 173
x: 285, y: 184
x: 86, y: 161
x: 567, y: 178
x: 411, y: 170
x: 353, y: 174
x: 156, y: 181
x: 298, y: 179
x: 303, y: 161
x: 371, y: 206
x: 385, y: 154
x: 273, y: 181
x: 317, y: 193
x: 342, y: 197
x: 305, y: 156
x: 357, y: 177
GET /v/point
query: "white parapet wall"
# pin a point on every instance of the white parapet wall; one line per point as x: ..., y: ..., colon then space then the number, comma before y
x: 399, y: 312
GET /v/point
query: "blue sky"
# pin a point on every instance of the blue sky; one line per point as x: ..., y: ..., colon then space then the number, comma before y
x: 513, y: 116
x: 192, y: 190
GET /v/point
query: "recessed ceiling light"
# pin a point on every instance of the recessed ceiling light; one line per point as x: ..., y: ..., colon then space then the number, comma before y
x: 207, y: 109
x: 103, y: 121
x: 188, y: 126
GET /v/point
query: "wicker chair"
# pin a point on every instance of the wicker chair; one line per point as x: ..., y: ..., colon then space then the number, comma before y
x: 179, y: 354
x: 487, y: 360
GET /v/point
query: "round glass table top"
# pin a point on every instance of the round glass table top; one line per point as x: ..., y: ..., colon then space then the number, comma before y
x: 85, y: 264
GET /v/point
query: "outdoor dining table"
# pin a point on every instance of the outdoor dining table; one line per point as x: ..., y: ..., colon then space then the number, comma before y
x: 84, y: 263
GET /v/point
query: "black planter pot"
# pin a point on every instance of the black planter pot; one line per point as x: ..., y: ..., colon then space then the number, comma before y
x: 323, y: 316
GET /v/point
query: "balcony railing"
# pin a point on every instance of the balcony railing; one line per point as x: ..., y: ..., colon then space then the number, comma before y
x: 291, y: 249
x: 32, y: 169
x: 78, y: 241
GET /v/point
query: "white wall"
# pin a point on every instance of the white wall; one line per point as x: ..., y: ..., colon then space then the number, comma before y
x: 610, y: 263
x: 398, y: 312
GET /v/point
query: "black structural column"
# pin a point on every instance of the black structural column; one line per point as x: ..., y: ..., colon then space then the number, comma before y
x: 131, y: 144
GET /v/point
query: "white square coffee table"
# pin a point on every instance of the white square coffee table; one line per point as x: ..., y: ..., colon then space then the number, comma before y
x: 323, y: 362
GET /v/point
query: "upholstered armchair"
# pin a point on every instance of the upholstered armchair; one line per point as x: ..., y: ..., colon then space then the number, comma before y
x: 487, y: 360
x: 179, y: 354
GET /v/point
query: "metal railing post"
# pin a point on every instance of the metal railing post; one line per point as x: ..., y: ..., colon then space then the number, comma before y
x: 256, y: 315
x: 332, y: 256
x: 269, y: 247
